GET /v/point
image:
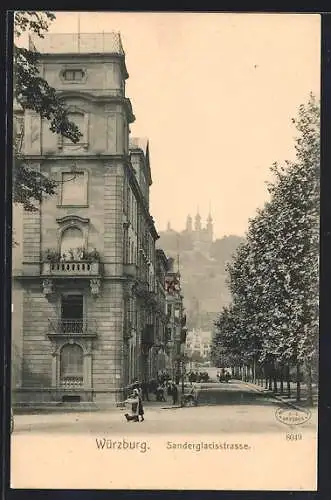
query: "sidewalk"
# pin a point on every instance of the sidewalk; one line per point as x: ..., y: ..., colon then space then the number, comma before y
x: 70, y: 408
x: 292, y: 401
x: 53, y: 417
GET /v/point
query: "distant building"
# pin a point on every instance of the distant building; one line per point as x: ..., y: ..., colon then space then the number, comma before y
x: 196, y: 236
x: 198, y: 342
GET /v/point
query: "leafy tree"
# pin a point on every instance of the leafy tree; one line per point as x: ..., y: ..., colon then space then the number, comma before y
x: 273, y: 277
x: 32, y: 92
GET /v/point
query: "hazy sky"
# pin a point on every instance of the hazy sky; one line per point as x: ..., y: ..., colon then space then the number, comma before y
x: 215, y: 94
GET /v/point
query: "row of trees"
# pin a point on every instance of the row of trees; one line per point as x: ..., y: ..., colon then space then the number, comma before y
x: 271, y: 327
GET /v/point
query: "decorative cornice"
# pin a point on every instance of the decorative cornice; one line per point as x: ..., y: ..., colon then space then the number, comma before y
x: 88, y: 96
x: 85, y: 156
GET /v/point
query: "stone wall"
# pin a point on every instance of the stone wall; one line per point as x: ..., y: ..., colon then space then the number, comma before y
x: 37, y: 349
x: 107, y: 362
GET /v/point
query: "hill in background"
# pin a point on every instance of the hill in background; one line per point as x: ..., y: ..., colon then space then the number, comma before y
x: 203, y: 276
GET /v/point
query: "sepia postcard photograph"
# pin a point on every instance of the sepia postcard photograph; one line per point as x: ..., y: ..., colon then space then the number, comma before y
x: 165, y: 251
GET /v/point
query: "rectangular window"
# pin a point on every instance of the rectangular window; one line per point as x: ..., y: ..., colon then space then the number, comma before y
x: 73, y: 75
x: 74, y: 188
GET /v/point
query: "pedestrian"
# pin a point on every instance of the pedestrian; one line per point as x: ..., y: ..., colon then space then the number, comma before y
x: 133, y: 400
x: 174, y: 394
x: 159, y: 392
x: 140, y: 409
x: 164, y: 392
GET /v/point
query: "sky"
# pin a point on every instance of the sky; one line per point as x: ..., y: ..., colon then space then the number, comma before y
x: 215, y: 94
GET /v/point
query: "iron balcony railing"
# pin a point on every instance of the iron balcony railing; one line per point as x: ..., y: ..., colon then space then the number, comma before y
x: 71, y: 268
x: 82, y: 327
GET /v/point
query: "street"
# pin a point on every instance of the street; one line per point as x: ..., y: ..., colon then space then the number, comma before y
x: 223, y: 408
x: 101, y: 450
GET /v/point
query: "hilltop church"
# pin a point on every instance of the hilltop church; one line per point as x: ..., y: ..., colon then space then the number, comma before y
x: 194, y: 237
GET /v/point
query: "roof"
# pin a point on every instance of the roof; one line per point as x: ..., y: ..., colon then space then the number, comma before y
x: 139, y: 143
x: 142, y: 144
x: 74, y: 43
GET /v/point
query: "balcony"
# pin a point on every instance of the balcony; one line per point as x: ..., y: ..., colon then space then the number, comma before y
x: 77, y: 268
x: 83, y: 327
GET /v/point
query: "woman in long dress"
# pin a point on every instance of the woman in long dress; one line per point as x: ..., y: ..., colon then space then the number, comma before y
x: 140, y: 407
x: 133, y: 400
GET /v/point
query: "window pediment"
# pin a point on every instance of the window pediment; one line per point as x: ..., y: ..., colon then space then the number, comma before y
x: 71, y: 220
x: 75, y: 109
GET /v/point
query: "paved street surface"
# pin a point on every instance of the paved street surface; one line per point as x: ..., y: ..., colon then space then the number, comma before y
x: 223, y: 408
x: 63, y: 450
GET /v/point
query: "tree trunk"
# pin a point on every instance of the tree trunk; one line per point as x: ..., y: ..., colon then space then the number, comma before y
x: 309, y: 385
x: 298, y: 395
x: 288, y: 382
x: 275, y: 389
x: 281, y: 374
x: 270, y: 383
x: 254, y: 370
x: 266, y: 377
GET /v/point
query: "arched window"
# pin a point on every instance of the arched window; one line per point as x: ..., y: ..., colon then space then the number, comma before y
x: 72, y: 243
x: 81, y: 118
x: 71, y: 365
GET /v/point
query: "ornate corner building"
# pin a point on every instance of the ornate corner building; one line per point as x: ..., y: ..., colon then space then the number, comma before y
x: 88, y: 286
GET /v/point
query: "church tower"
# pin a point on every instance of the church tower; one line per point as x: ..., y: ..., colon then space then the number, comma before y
x: 197, y: 224
x: 209, y: 227
x: 189, y: 226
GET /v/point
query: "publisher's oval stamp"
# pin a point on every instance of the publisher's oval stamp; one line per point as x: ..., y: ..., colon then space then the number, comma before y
x: 293, y: 416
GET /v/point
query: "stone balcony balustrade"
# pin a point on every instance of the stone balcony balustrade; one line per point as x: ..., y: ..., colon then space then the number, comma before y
x: 75, y: 268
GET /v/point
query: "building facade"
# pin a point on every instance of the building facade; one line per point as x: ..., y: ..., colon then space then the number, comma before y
x: 176, y: 323
x: 86, y: 295
x: 159, y: 360
x: 198, y: 344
